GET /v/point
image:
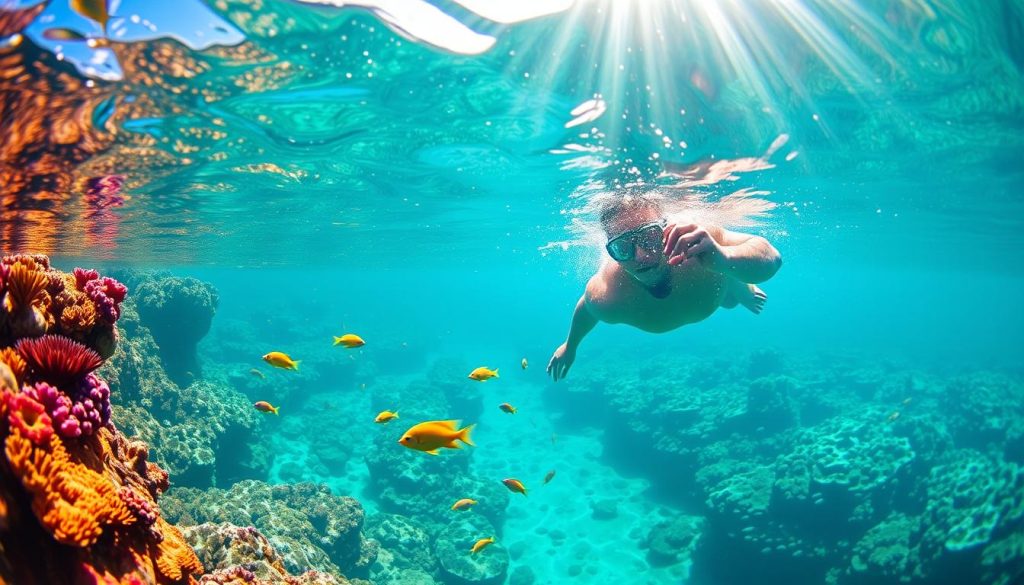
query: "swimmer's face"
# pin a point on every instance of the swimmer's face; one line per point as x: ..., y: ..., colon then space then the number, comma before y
x: 648, y: 264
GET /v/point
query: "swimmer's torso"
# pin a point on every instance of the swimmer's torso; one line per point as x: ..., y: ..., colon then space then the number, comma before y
x: 614, y: 297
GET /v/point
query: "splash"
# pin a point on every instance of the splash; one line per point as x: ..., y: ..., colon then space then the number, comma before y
x: 684, y: 192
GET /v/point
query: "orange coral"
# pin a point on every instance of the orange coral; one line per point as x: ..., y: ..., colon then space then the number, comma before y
x: 174, y: 557
x: 72, y: 501
x: 75, y: 311
x: 10, y: 357
x: 26, y: 287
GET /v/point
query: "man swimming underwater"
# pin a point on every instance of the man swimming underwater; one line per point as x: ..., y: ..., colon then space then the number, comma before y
x: 665, y: 275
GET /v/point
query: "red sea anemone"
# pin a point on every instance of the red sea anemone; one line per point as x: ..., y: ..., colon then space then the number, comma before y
x: 29, y: 417
x: 58, y: 360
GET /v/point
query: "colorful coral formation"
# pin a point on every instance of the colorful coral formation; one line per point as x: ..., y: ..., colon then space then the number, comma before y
x: 77, y: 499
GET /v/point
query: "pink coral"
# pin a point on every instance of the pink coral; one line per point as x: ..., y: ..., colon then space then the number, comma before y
x: 57, y: 359
x: 105, y: 292
x: 83, y: 276
x: 58, y: 405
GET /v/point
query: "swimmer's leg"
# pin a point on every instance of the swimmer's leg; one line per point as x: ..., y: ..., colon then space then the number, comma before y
x: 741, y: 293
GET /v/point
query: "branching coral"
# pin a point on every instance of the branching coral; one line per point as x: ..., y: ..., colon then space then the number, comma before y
x: 105, y: 292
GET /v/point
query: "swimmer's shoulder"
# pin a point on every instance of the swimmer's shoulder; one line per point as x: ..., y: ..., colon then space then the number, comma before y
x: 603, y: 291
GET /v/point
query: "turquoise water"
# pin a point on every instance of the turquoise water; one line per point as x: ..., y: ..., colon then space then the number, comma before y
x: 326, y: 174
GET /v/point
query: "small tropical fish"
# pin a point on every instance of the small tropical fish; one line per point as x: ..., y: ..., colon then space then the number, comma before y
x: 554, y: 438
x: 430, y: 436
x: 349, y: 341
x: 281, y: 360
x: 385, y: 416
x: 63, y: 34
x: 506, y: 407
x: 463, y: 504
x: 482, y: 374
x: 906, y: 401
x: 362, y: 386
x: 257, y: 373
x: 550, y: 475
x: 895, y: 415
x: 524, y: 363
x: 93, y: 9
x: 264, y: 406
x: 482, y: 544
x: 514, y: 485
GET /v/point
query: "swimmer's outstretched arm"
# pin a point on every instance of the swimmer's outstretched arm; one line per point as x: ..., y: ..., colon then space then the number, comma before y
x: 583, y: 322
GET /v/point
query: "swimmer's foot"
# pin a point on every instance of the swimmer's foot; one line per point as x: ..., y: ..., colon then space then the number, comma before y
x: 752, y: 298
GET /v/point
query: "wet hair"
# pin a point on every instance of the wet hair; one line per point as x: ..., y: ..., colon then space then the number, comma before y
x: 629, y: 202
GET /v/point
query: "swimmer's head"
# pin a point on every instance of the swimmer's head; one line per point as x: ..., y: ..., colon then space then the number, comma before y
x: 633, y: 224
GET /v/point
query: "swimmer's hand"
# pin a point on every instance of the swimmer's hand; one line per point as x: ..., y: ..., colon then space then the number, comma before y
x: 689, y: 244
x: 561, y: 361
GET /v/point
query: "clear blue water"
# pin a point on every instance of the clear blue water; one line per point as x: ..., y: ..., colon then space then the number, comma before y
x: 329, y: 175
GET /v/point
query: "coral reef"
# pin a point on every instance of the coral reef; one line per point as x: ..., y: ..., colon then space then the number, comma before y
x: 823, y: 470
x: 235, y: 554
x: 310, y: 527
x: 204, y: 433
x: 178, y: 312
x: 424, y: 488
x: 458, y: 565
x: 77, y: 498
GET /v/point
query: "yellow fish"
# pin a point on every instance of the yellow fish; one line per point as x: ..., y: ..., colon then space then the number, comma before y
x: 386, y: 416
x: 463, y: 504
x: 257, y: 373
x: 264, y: 406
x: 482, y: 374
x: 524, y: 363
x: 93, y: 9
x: 895, y: 415
x: 349, y: 341
x: 514, y: 485
x: 482, y: 544
x: 430, y: 436
x: 281, y: 360
x: 506, y: 407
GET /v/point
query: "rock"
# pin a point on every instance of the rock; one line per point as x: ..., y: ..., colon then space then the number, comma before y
x: 178, y: 312
x: 673, y: 541
x: 606, y: 509
x: 522, y: 575
x: 461, y: 567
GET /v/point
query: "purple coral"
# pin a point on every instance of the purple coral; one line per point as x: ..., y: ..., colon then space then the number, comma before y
x: 141, y: 508
x: 58, y: 405
x: 105, y: 292
x: 82, y: 413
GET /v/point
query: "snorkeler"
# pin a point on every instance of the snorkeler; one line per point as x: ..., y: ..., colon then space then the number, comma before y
x: 665, y: 275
